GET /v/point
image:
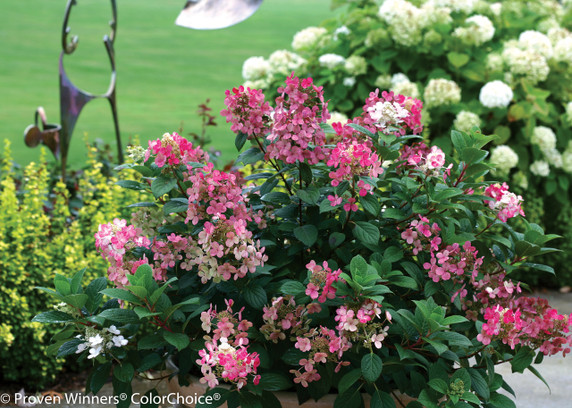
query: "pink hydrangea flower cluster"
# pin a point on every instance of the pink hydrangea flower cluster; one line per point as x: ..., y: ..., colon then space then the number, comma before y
x: 426, y: 160
x: 225, y: 247
x: 323, y: 345
x: 530, y: 322
x: 226, y: 355
x: 296, y: 134
x: 114, y: 241
x: 354, y: 159
x: 321, y: 281
x: 247, y: 111
x: 356, y: 323
x: 447, y: 262
x: 505, y: 204
x: 494, y: 289
x: 283, y: 315
x: 174, y: 150
x: 392, y: 113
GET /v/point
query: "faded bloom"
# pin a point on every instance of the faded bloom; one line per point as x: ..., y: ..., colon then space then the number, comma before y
x: 495, y: 94
x: 544, y: 138
x: 331, y: 60
x: 337, y: 117
x: 441, y: 92
x: 479, y: 30
x: 495, y: 62
x: 383, y: 82
x: 540, y: 168
x: 308, y: 38
x: 465, y: 120
x: 503, y: 158
x: 406, y: 88
x: 355, y: 65
x: 284, y: 62
x: 527, y: 63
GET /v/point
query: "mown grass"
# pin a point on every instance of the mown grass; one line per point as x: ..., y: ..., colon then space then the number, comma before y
x: 164, y: 71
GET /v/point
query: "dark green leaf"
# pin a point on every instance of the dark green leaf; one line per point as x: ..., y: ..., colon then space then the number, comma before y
x: 162, y: 185
x: 366, y: 233
x: 120, y: 315
x: 275, y: 382
x: 307, y: 234
x: 53, y: 316
x: 179, y: 340
x: 69, y: 348
x: 132, y: 184
x: 176, y: 205
x: 124, y: 372
x: 240, y: 140
x: 122, y: 294
x: 99, y: 377
x: 250, y: 156
x: 255, y: 296
x: 371, y: 367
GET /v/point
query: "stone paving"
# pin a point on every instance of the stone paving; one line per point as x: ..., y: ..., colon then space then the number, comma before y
x: 530, y: 391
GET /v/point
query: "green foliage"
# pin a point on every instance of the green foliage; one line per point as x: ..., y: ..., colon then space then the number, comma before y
x: 404, y: 47
x: 39, y: 240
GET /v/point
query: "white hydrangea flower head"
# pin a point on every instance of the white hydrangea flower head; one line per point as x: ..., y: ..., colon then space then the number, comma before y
x: 255, y: 68
x: 387, y: 113
x: 341, y: 31
x: 119, y: 341
x: 399, y: 78
x: 496, y: 8
x: 257, y: 84
x: 349, y: 81
x: 404, y: 20
x: 308, y: 38
x: 331, y: 60
x: 284, y: 62
x: 479, y: 30
x: 569, y: 113
x: 465, y: 120
x: 391, y: 10
x: 383, y: 82
x: 495, y: 62
x: 554, y: 157
x: 544, y: 138
x: 563, y: 50
x: 537, y: 42
x: 556, y: 34
x: 528, y: 63
x: 432, y: 14
x: 495, y: 94
x: 337, y: 117
x: 503, y: 159
x: 462, y: 6
x: 407, y: 89
x: 567, y: 161
x: 540, y: 168
x: 441, y: 91
x: 355, y: 65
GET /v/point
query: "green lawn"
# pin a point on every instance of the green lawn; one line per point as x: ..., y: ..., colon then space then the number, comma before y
x: 164, y: 71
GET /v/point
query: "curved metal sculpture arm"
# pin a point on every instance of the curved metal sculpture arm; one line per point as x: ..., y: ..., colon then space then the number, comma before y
x: 69, y: 46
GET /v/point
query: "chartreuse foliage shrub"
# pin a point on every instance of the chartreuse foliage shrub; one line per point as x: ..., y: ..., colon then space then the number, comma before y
x: 503, y: 66
x: 39, y: 239
x: 353, y: 260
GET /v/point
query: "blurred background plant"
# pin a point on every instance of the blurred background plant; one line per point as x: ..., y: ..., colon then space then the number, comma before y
x: 506, y: 67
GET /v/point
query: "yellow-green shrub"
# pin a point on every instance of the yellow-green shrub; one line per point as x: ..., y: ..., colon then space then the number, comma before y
x: 39, y: 238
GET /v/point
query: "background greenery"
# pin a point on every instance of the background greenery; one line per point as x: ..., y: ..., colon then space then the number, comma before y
x: 164, y: 71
